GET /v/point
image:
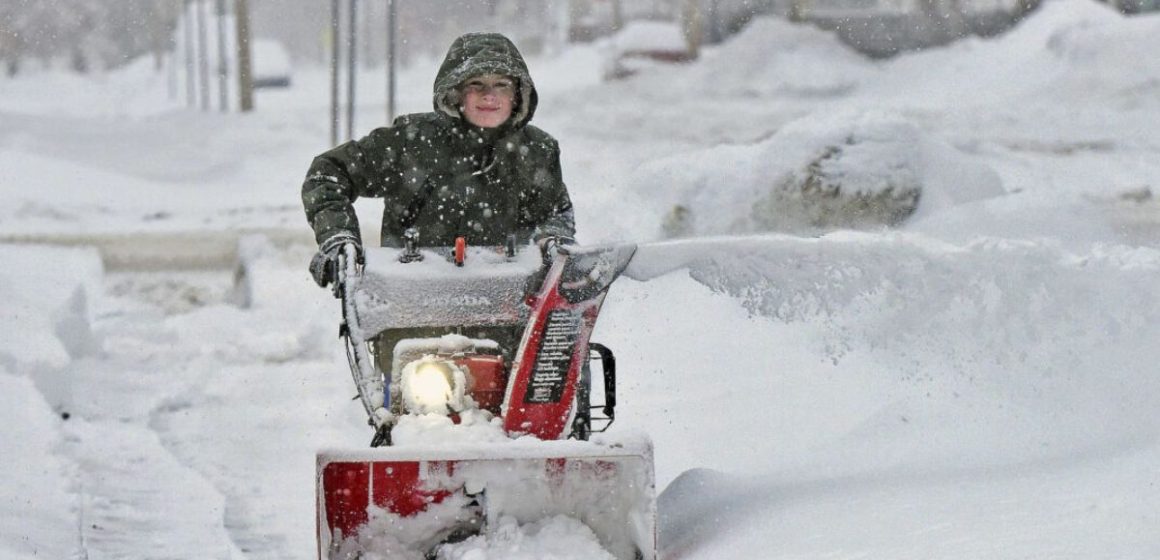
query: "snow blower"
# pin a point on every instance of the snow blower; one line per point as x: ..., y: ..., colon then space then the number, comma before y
x: 475, y: 368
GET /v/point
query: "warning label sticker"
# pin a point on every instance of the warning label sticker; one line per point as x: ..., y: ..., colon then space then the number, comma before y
x: 553, y: 358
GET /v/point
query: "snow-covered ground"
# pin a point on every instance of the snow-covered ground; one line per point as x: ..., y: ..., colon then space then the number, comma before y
x: 980, y: 382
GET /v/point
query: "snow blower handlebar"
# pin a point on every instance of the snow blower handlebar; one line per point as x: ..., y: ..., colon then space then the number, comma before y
x: 585, y: 274
x: 362, y: 368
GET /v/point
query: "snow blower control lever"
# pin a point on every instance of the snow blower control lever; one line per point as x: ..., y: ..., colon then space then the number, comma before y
x: 410, y: 246
x: 460, y: 250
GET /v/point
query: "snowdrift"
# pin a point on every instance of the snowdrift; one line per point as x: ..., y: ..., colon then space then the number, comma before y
x: 864, y: 379
x: 38, y: 519
x: 46, y: 316
x: 1068, y: 51
x: 45, y: 321
x: 852, y: 169
x: 770, y: 57
x: 773, y: 57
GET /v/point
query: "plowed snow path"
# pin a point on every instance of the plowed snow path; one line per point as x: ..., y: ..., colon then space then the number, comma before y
x: 194, y: 426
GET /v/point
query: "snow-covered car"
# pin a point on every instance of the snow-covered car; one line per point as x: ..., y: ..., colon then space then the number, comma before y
x: 642, y: 44
x: 271, y: 64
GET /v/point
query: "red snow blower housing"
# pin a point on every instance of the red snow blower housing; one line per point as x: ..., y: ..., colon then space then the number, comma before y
x: 474, y: 431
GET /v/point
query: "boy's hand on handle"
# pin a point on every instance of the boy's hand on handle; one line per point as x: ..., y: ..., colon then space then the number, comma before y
x: 553, y: 245
x: 324, y: 265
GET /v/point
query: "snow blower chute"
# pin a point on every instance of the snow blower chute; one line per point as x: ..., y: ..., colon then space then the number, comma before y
x: 476, y: 371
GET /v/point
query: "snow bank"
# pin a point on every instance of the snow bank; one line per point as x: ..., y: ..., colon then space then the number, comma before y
x: 774, y: 57
x: 851, y: 169
x: 646, y: 36
x: 769, y: 57
x: 134, y: 90
x: 264, y: 274
x: 1053, y: 509
x: 1066, y: 51
x: 266, y: 278
x: 45, y: 325
x: 894, y: 396
x: 58, y: 201
x: 46, y: 313
x: 37, y: 509
x: 67, y: 199
x: 930, y: 354
x: 1096, y: 43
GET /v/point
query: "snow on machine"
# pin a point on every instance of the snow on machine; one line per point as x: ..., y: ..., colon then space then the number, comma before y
x: 476, y: 444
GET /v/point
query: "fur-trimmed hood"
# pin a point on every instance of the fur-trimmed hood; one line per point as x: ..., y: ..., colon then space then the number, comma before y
x: 476, y: 54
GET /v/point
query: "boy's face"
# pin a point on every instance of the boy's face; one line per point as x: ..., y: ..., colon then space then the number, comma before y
x: 487, y: 100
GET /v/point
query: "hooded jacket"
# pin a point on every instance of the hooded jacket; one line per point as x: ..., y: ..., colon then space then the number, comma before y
x: 444, y: 176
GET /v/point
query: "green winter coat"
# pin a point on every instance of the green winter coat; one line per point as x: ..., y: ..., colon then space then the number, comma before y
x: 444, y: 176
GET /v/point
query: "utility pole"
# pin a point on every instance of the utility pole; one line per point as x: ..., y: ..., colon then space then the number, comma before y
x: 190, y: 74
x: 245, y: 70
x: 171, y: 73
x: 223, y: 60
x: 160, y: 39
x: 352, y: 68
x: 202, y: 55
x: 563, y: 18
x: 694, y: 27
x: 171, y: 47
x: 334, y: 47
x: 392, y: 31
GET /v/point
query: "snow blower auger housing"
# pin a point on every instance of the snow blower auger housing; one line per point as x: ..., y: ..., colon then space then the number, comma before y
x: 475, y: 435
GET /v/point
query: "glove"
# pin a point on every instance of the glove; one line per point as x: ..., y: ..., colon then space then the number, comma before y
x: 553, y: 245
x: 324, y: 265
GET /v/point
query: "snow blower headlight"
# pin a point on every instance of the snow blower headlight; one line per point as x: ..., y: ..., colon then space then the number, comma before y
x: 433, y: 386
